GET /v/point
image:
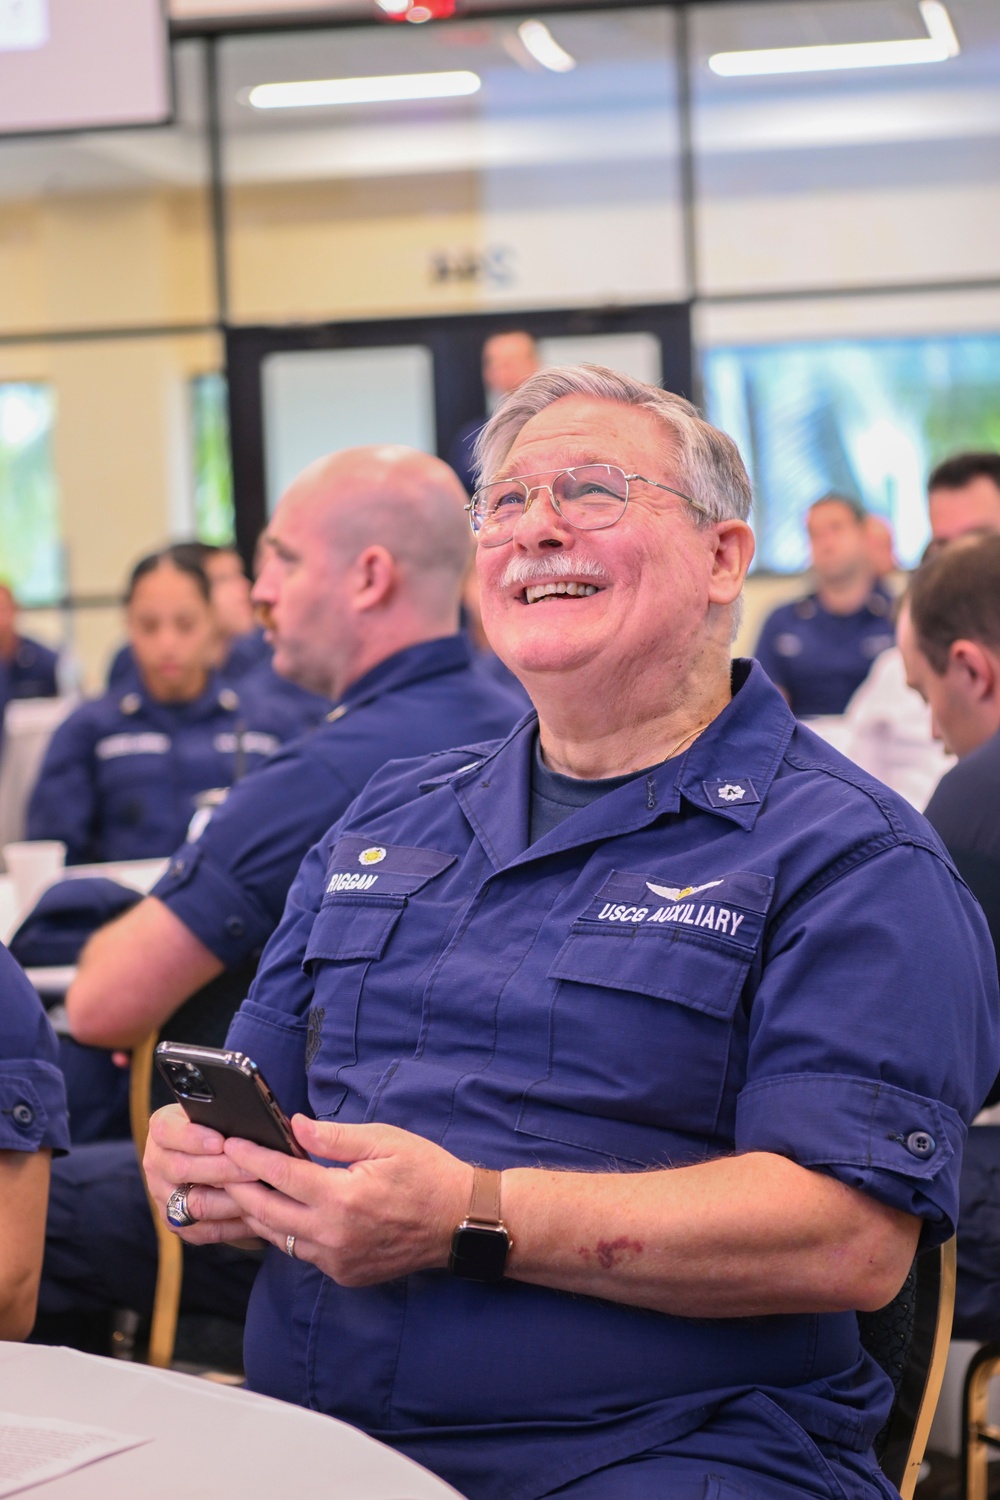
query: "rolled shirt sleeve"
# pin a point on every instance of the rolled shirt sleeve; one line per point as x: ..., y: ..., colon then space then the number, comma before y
x: 32, y: 1089
x: 229, y: 885
x: 871, y: 1039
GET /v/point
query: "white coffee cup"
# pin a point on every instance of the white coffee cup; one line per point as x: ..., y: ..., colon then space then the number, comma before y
x: 33, y: 866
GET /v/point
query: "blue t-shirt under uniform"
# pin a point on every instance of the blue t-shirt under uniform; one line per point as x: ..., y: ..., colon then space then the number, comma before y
x: 820, y: 659
x: 751, y: 947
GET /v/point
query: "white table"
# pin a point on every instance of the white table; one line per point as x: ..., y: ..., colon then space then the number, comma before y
x: 209, y: 1442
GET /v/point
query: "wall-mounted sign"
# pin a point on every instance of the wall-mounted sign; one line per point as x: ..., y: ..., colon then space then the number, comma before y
x: 494, y: 266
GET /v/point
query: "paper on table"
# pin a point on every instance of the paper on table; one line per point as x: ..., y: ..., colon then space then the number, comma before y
x: 35, y: 1449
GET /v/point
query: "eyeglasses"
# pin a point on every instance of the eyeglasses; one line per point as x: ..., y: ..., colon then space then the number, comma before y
x: 589, y: 497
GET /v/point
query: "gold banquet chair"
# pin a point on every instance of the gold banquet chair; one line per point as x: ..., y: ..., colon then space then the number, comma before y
x: 909, y: 1339
x: 170, y: 1251
x: 979, y: 1436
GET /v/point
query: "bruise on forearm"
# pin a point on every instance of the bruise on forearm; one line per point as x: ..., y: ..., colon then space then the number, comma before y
x: 611, y: 1253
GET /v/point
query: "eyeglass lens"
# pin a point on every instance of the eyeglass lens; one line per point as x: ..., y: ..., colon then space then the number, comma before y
x: 587, y: 497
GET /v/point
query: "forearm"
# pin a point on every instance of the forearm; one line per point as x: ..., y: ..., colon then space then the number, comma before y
x: 24, y: 1184
x: 738, y: 1237
x: 133, y: 975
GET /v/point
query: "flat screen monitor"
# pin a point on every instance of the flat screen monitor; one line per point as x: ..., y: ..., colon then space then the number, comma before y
x: 82, y: 65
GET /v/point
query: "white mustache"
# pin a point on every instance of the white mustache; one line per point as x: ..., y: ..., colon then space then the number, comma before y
x: 521, y: 572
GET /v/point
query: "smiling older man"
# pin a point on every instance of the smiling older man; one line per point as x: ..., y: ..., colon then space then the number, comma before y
x: 646, y: 1056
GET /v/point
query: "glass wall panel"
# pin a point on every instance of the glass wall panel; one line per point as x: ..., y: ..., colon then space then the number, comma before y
x: 860, y: 177
x: 123, y: 464
x: 30, y: 551
x: 109, y: 228
x: 214, y: 510
x: 317, y: 401
x: 539, y: 188
x: 868, y: 418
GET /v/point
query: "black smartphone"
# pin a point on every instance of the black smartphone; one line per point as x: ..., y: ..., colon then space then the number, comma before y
x: 227, y: 1092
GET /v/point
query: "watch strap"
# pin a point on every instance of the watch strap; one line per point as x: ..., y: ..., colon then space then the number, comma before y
x: 484, y: 1205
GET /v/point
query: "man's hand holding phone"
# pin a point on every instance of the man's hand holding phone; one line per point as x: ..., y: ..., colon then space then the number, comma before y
x: 178, y: 1153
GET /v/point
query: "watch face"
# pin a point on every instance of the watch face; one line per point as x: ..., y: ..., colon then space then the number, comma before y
x: 479, y: 1253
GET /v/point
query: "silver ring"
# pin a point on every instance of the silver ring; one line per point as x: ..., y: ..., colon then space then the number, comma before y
x: 290, y: 1246
x: 179, y: 1216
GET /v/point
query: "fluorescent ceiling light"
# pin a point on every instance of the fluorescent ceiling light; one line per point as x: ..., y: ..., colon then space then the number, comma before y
x: 939, y: 44
x: 316, y: 92
x: 543, y: 47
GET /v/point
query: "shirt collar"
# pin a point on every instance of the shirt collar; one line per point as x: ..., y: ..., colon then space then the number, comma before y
x: 448, y: 653
x: 742, y: 747
x: 738, y: 755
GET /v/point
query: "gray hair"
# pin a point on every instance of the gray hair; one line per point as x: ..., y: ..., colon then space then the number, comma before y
x: 708, y: 463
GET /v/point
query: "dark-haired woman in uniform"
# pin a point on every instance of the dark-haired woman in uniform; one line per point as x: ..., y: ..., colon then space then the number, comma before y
x: 123, y: 773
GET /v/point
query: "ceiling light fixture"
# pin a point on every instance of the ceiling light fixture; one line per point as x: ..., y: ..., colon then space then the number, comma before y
x: 417, y: 10
x: 543, y: 47
x: 317, y: 93
x: 939, y: 44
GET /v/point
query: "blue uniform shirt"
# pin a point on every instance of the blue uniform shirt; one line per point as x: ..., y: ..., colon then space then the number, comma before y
x: 753, y: 947
x: 819, y: 659
x: 229, y: 885
x: 121, y: 774
x: 32, y: 1090
x: 30, y: 673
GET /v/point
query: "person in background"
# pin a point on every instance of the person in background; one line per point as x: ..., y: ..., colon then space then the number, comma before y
x: 32, y: 1126
x: 819, y: 649
x: 122, y: 774
x: 949, y: 639
x: 508, y: 359
x: 27, y: 668
x: 639, y: 1047
x: 963, y: 495
x: 881, y: 548
x: 238, y: 646
x: 359, y: 585
x: 888, y: 724
x: 950, y: 643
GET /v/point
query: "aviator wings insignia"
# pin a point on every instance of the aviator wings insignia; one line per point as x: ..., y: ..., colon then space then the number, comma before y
x: 675, y: 893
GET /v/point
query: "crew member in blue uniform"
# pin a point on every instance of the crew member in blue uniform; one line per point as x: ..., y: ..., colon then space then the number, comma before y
x: 122, y: 774
x: 508, y: 359
x: 27, y: 668
x: 640, y: 1049
x: 241, y: 652
x: 196, y: 939
x: 819, y: 650
x: 32, y: 1126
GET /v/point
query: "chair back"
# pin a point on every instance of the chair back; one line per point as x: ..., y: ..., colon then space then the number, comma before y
x: 170, y: 1261
x: 909, y: 1339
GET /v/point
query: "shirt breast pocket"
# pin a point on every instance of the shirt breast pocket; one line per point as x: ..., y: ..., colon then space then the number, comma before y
x: 368, y: 889
x: 346, y: 938
x: 644, y: 1020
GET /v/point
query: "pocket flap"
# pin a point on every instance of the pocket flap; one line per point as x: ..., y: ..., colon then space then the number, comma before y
x: 665, y: 965
x: 358, y: 863
x: 345, y: 929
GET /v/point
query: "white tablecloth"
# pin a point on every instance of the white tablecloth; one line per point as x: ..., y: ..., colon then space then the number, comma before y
x: 208, y: 1442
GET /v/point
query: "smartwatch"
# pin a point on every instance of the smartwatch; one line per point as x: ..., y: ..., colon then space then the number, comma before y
x: 480, y: 1244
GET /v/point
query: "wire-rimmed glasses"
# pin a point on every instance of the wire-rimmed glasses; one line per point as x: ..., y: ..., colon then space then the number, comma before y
x: 589, y: 497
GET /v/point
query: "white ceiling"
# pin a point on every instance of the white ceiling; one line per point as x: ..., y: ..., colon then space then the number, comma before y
x: 618, y: 106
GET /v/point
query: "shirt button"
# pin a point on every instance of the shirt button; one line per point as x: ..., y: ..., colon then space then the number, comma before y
x: 177, y: 867
x: 23, y: 1115
x: 235, y: 926
x: 919, y: 1143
